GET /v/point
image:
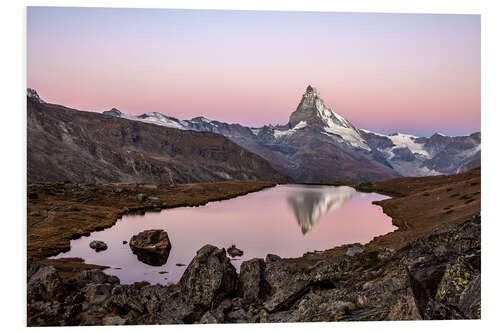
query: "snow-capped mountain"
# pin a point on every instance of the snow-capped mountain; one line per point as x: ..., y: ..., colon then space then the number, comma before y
x: 318, y: 144
x: 312, y: 112
x: 420, y: 156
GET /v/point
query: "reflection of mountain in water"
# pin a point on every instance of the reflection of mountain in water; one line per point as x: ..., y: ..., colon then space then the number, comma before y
x: 310, y: 204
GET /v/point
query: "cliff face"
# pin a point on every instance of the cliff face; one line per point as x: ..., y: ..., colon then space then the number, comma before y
x: 84, y: 147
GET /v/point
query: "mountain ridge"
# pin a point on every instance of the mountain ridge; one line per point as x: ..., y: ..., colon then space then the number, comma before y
x: 317, y: 144
x: 86, y: 147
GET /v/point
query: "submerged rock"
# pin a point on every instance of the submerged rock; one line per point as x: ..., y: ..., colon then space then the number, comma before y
x: 98, y: 246
x: 151, y: 246
x: 209, y: 277
x: 233, y: 251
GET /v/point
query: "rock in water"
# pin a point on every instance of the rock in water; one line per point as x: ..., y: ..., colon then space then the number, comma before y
x: 233, y: 251
x: 98, y: 246
x: 152, y: 247
x: 209, y: 277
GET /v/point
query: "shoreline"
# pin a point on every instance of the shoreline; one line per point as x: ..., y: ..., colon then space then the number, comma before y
x: 103, y: 211
x: 397, y: 189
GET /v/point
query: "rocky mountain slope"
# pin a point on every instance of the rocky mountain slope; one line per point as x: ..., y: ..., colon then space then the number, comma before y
x: 318, y: 144
x: 85, y: 147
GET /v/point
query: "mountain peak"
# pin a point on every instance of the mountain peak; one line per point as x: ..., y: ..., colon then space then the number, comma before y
x: 313, y: 111
x: 311, y: 90
x: 30, y: 92
x: 113, y: 112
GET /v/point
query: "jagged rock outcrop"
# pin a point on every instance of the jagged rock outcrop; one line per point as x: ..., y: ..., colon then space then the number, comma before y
x: 209, y: 277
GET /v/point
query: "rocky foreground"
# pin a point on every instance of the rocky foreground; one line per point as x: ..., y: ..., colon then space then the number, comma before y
x: 435, y: 277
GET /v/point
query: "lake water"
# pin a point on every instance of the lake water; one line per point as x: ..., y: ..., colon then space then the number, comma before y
x: 287, y: 220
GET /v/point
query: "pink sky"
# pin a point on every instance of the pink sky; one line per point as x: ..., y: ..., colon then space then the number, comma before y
x: 384, y: 72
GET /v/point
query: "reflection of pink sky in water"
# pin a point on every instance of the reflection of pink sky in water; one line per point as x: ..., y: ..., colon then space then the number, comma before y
x: 258, y: 223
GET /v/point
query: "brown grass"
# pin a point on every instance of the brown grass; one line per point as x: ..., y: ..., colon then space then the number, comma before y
x: 67, y: 211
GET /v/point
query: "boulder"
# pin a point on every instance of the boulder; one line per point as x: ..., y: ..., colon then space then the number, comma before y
x: 251, y: 278
x: 45, y: 284
x: 470, y: 300
x: 209, y: 277
x: 151, y: 246
x: 233, y: 251
x: 98, y: 246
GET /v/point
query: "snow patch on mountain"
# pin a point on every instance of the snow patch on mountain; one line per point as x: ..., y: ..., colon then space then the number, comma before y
x: 407, y: 140
x: 400, y: 140
x: 279, y: 133
x: 470, y: 152
x: 255, y: 131
x: 156, y: 118
x: 349, y: 135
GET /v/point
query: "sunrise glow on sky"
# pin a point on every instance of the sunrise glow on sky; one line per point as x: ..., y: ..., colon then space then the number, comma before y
x: 413, y: 73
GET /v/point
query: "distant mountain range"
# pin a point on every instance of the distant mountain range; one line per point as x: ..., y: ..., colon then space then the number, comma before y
x: 86, y: 147
x: 318, y: 145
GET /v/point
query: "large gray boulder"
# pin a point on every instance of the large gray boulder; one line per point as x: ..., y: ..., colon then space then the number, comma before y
x: 209, y: 277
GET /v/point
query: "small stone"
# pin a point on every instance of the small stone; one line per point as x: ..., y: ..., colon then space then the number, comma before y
x: 98, y: 246
x: 114, y: 320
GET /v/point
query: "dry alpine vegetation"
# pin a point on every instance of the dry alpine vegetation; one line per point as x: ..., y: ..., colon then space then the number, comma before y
x: 427, y: 269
